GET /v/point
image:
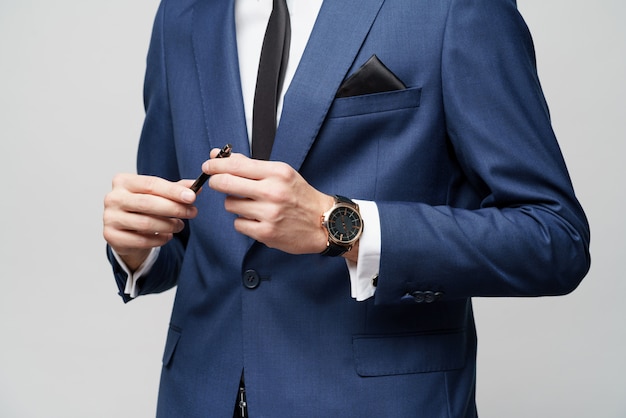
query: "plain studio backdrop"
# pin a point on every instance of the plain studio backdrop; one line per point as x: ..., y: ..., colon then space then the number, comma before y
x: 71, y: 74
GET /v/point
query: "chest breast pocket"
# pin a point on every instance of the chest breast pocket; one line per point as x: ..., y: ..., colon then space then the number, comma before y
x: 375, y: 103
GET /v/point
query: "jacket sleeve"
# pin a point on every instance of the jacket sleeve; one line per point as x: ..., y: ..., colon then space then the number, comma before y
x: 157, y: 157
x: 529, y: 235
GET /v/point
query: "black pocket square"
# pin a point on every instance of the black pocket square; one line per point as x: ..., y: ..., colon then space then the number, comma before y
x: 372, y: 77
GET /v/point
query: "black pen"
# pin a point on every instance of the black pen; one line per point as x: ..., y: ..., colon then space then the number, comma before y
x: 202, y: 178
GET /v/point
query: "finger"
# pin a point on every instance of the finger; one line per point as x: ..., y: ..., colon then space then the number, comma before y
x: 244, y: 207
x: 215, y: 152
x: 141, y: 223
x: 186, y: 183
x: 257, y: 180
x: 148, y: 204
x: 235, y: 186
x: 129, y: 230
x: 238, y: 165
x: 124, y: 240
x: 152, y: 185
x: 213, y: 155
x: 251, y: 228
x: 158, y: 206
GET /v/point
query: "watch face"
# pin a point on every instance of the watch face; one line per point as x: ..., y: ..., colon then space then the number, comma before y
x: 344, y: 225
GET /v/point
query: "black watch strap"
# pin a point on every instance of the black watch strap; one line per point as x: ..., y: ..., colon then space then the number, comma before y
x: 343, y: 199
x: 334, y: 250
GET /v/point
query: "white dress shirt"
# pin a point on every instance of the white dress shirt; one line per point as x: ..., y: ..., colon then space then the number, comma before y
x: 251, y: 17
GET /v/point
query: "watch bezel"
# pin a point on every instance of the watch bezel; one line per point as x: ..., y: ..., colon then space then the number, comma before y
x: 335, y: 243
x: 336, y: 211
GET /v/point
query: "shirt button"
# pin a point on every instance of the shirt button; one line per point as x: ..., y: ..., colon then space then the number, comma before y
x: 251, y: 279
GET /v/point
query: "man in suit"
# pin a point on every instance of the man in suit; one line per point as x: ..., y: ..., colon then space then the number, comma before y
x: 454, y: 187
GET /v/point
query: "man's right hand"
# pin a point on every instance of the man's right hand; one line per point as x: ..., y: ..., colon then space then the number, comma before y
x: 143, y: 212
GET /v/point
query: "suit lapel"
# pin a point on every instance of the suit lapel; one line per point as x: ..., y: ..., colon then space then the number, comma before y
x: 337, y: 36
x: 215, y: 50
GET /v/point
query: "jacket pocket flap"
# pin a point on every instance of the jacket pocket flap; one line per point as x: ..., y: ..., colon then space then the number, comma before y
x: 376, y: 102
x: 385, y: 355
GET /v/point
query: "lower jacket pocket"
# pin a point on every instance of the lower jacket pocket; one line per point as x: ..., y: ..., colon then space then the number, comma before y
x: 385, y: 355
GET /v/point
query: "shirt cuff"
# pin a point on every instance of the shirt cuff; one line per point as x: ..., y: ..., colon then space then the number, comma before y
x: 365, y: 270
x: 132, y: 288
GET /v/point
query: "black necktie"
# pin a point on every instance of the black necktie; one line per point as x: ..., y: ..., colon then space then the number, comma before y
x: 272, y: 65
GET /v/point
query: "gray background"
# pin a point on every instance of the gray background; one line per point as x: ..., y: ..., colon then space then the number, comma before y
x: 70, y: 114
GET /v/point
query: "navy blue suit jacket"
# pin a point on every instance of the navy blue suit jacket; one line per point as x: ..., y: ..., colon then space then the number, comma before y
x: 473, y: 194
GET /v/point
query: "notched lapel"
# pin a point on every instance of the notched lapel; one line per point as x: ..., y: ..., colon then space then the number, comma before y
x: 215, y: 51
x: 339, y: 32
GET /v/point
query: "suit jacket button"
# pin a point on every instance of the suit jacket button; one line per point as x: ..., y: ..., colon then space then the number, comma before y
x: 251, y: 279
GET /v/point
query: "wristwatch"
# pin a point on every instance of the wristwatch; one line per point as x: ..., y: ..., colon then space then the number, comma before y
x: 344, y: 225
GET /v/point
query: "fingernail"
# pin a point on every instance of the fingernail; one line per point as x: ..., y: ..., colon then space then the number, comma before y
x: 188, y: 196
